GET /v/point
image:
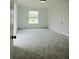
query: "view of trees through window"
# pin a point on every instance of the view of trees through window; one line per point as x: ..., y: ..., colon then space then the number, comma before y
x: 33, y: 17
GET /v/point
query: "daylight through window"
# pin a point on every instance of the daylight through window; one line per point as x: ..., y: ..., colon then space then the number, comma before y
x: 33, y: 17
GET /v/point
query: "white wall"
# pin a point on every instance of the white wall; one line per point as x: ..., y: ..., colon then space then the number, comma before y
x: 58, y: 13
x: 56, y: 17
x: 23, y: 17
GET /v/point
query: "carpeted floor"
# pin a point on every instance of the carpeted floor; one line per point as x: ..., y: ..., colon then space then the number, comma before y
x: 40, y: 44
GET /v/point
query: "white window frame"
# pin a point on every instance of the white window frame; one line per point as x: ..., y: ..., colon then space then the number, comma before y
x: 33, y: 20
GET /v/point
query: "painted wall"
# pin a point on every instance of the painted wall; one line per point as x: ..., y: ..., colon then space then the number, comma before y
x: 23, y: 17
x: 59, y: 17
x: 55, y: 17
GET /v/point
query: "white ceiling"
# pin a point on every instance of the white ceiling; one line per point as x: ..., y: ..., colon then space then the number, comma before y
x: 37, y: 3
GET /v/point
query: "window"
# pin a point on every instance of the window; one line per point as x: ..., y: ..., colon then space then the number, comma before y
x: 33, y: 17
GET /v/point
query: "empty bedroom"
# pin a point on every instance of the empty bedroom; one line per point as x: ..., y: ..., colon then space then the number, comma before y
x: 39, y: 29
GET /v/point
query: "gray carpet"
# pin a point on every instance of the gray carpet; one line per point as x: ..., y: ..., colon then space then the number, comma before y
x: 55, y: 48
x: 58, y: 51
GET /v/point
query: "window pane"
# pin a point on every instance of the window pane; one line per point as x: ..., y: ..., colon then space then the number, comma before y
x: 33, y: 13
x: 33, y: 17
x: 33, y: 20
